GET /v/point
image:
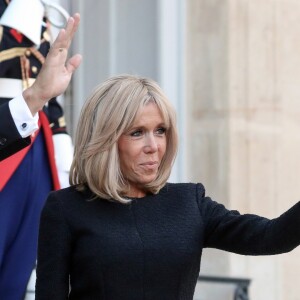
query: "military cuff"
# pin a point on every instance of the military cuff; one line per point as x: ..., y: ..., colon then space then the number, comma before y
x: 25, y: 122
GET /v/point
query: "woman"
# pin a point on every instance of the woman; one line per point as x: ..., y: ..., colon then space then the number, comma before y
x: 121, y: 231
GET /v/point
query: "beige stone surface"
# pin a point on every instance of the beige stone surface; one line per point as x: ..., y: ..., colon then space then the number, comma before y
x: 243, y: 106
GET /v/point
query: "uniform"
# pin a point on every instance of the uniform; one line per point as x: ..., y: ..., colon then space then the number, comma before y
x: 34, y: 173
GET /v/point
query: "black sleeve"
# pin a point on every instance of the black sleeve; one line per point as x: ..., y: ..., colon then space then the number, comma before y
x: 54, y: 249
x: 10, y: 139
x: 248, y: 234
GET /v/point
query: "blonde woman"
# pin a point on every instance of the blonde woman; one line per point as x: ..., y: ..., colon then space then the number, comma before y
x: 121, y: 231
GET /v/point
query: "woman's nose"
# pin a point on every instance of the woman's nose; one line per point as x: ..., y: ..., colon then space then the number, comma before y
x: 151, y: 144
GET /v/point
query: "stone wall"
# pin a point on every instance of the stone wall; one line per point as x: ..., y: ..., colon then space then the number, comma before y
x: 243, y: 108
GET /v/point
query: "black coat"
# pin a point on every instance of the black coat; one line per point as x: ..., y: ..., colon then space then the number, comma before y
x: 149, y: 249
x: 10, y: 139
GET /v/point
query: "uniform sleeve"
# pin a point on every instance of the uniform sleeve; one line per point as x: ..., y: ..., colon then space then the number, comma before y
x: 54, y: 249
x: 248, y: 234
x: 10, y: 139
x: 26, y: 124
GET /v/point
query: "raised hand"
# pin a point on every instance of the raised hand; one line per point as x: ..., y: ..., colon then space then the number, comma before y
x: 56, y: 73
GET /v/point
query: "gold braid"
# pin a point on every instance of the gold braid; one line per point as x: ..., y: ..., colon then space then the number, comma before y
x: 25, y: 65
x: 24, y: 62
x: 37, y: 54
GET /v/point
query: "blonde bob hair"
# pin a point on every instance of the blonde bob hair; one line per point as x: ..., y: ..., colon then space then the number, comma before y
x: 109, y: 112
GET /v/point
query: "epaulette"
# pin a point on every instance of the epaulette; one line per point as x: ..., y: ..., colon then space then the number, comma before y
x: 12, y: 53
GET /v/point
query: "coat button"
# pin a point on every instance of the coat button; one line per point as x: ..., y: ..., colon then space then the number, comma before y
x: 27, y: 53
x: 2, y: 141
x: 34, y: 69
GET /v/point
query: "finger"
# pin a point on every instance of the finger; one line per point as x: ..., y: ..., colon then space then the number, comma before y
x: 71, y: 28
x: 76, y: 18
x: 59, y: 42
x: 73, y: 63
x: 65, y: 36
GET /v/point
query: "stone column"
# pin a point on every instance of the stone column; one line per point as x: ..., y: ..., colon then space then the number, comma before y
x: 243, y: 88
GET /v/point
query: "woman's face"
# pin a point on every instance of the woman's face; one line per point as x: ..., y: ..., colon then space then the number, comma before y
x: 142, y: 148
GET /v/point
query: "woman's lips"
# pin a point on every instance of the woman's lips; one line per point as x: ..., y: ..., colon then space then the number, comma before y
x: 150, y: 165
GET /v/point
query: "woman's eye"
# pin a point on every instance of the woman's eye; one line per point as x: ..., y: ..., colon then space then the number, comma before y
x: 161, y: 130
x: 136, y: 133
